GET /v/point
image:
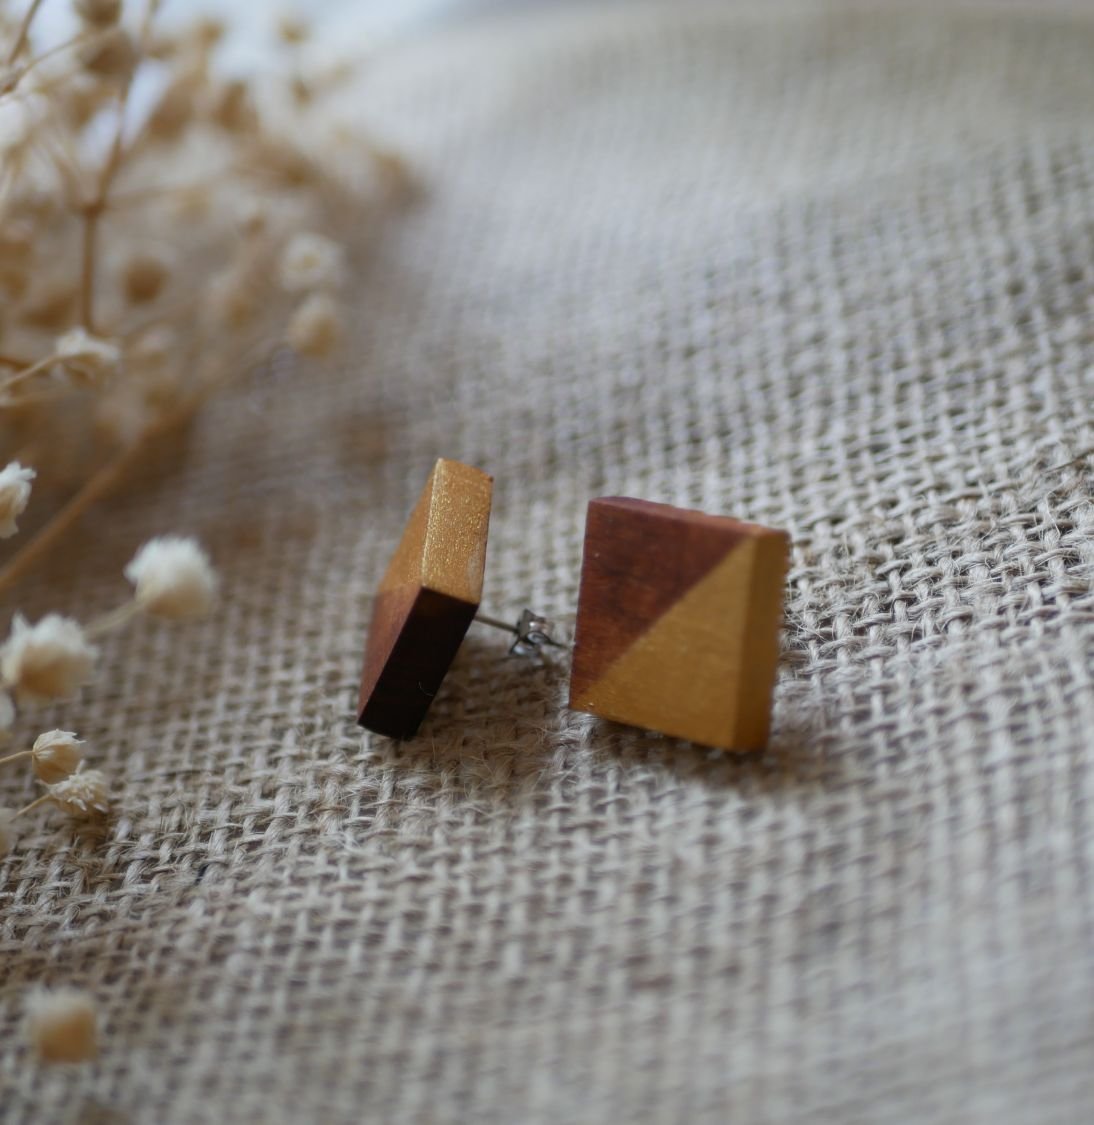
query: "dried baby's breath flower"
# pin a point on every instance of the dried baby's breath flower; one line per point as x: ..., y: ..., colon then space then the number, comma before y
x: 88, y: 357
x: 83, y: 794
x: 7, y: 831
x: 62, y: 1025
x: 55, y: 755
x: 94, y: 173
x: 15, y: 481
x: 98, y: 13
x: 110, y: 55
x: 315, y: 327
x: 47, y: 660
x: 311, y: 261
x: 143, y: 277
x: 173, y: 578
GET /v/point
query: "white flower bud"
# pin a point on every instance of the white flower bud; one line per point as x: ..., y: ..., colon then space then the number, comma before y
x: 47, y: 660
x: 311, y: 261
x: 315, y: 327
x: 56, y: 755
x: 86, y: 356
x: 62, y: 1025
x: 82, y: 794
x: 173, y: 578
x: 14, y: 496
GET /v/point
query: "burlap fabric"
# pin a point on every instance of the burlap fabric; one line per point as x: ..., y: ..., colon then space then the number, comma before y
x: 828, y: 270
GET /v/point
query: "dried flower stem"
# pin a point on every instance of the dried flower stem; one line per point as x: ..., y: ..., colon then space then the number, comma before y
x: 112, y: 620
x: 26, y: 373
x: 14, y: 361
x: 35, y: 804
x: 41, y: 365
x: 24, y: 31
x: 88, y: 247
x: 96, y: 488
x: 68, y: 44
x: 66, y: 160
x: 50, y: 84
x: 16, y: 757
x: 115, y: 471
x: 92, y: 212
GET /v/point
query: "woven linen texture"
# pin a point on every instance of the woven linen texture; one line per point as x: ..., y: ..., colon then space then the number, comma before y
x: 827, y: 269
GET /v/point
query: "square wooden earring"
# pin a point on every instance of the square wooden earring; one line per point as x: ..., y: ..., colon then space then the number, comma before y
x: 426, y: 601
x: 678, y: 622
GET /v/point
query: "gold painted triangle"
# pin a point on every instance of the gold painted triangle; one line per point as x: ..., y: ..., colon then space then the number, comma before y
x: 681, y: 676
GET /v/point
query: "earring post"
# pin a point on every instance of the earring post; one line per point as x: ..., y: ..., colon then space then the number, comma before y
x: 494, y: 623
x: 531, y: 632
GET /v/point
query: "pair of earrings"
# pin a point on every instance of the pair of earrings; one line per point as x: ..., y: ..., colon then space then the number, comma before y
x: 678, y: 615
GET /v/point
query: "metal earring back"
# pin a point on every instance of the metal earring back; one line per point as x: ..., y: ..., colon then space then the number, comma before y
x: 531, y: 634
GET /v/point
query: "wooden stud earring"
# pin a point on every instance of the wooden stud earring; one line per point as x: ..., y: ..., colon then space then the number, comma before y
x: 678, y: 622
x: 678, y: 615
x: 427, y: 599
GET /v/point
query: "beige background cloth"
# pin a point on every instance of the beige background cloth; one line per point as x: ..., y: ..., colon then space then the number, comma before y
x: 828, y: 269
